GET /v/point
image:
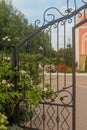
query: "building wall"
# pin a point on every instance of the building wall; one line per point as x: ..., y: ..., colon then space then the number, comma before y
x: 83, y: 41
x: 81, y: 44
x: 82, y: 59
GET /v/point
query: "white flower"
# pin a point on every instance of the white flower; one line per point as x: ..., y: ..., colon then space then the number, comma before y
x: 7, y: 58
x: 3, y: 38
x: 8, y: 39
x: 11, y: 84
x: 45, y: 89
x: 23, y: 72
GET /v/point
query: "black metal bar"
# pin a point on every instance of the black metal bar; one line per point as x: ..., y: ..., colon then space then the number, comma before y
x: 50, y: 55
x: 75, y: 4
x: 58, y: 117
x: 57, y: 56
x: 55, y: 104
x: 64, y: 52
x: 42, y: 51
x: 15, y: 64
x: 57, y: 74
x: 74, y: 84
x: 13, y: 56
x: 79, y: 24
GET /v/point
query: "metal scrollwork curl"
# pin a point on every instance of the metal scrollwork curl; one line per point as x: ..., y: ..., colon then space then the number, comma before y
x: 55, y: 26
x: 69, y: 10
x: 70, y: 20
x: 79, y: 15
x: 37, y: 23
x: 66, y: 97
x: 84, y: 1
x: 48, y: 17
x: 62, y: 23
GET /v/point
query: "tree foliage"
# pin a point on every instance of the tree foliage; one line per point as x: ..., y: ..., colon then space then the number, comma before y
x: 68, y: 55
x: 14, y: 25
x: 65, y: 55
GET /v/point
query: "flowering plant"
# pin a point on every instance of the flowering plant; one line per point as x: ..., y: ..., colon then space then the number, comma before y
x: 64, y: 68
x: 27, y: 88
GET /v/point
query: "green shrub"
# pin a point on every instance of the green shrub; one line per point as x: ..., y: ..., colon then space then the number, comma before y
x: 27, y: 87
x: 3, y: 122
x: 14, y: 127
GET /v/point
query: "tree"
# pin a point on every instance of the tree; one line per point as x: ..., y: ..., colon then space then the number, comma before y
x: 60, y: 53
x: 12, y: 23
x: 39, y: 40
x: 66, y: 55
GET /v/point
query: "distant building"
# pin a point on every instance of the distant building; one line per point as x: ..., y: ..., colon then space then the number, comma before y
x: 81, y: 44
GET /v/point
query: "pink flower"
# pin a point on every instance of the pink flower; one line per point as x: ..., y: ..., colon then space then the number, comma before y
x: 4, y: 81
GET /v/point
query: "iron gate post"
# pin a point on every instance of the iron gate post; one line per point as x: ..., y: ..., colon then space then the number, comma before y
x: 14, y: 65
x: 74, y: 83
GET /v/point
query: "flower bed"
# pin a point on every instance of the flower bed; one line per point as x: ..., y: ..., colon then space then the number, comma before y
x: 64, y: 68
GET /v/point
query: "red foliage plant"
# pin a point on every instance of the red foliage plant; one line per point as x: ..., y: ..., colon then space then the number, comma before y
x: 64, y: 68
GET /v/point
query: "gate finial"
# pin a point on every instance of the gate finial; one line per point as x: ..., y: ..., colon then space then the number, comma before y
x: 68, y: 9
x: 67, y: 4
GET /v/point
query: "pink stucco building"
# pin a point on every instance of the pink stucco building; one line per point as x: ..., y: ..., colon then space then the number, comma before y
x: 81, y: 44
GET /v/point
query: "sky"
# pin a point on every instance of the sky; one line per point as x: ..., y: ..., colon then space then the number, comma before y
x: 34, y: 9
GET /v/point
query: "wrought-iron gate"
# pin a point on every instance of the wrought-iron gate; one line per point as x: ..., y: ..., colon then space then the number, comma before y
x: 57, y: 113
